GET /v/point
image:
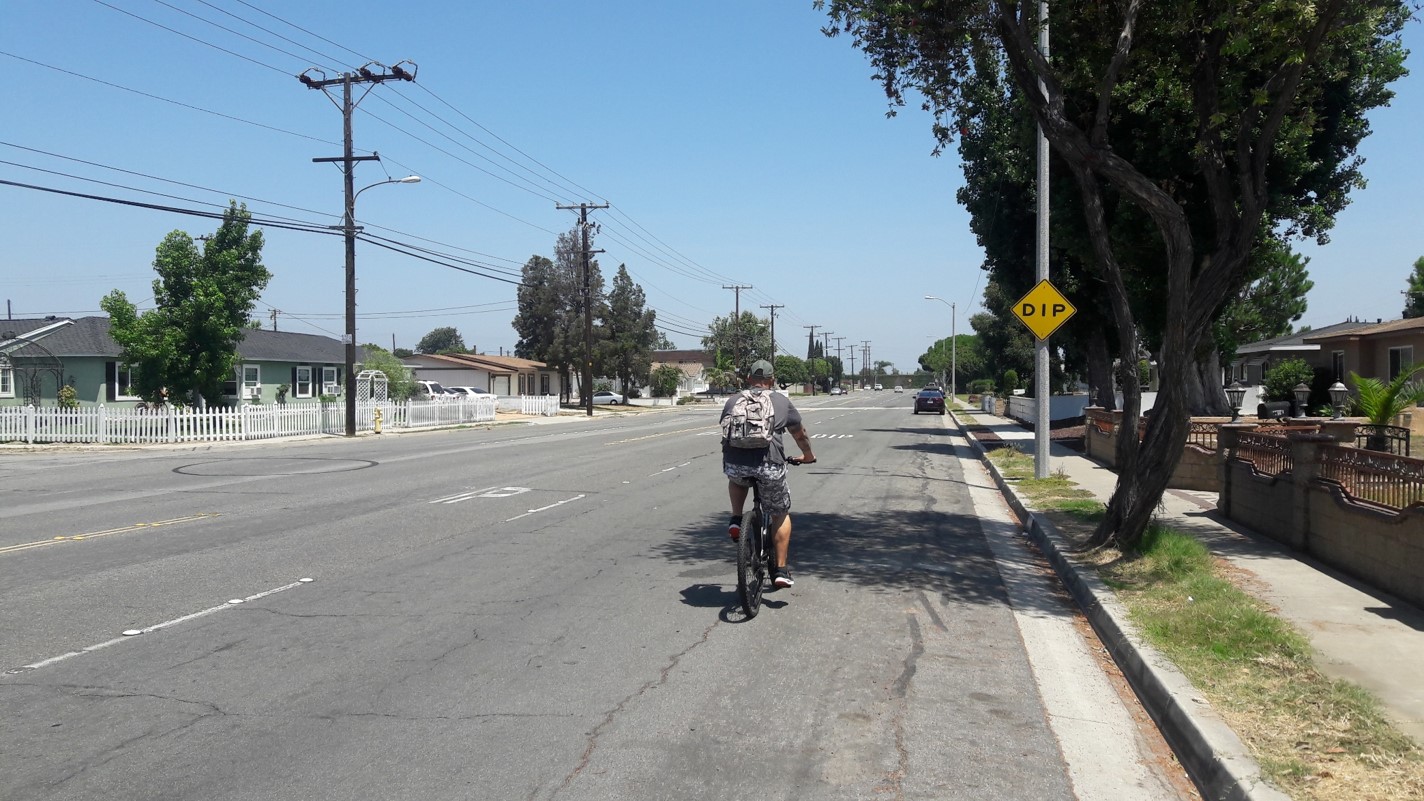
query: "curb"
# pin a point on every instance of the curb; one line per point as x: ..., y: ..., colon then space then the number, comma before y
x: 1215, y: 758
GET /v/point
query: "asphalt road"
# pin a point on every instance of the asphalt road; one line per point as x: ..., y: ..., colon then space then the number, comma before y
x: 531, y: 612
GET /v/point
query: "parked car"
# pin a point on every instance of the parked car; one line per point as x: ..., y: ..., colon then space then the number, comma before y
x: 604, y: 396
x: 929, y: 400
x: 469, y: 392
x: 432, y: 390
x: 837, y: 391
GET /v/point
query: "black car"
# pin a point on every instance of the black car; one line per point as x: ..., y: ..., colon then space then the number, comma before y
x: 929, y: 400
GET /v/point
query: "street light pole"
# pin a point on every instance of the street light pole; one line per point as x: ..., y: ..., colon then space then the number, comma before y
x: 953, y: 346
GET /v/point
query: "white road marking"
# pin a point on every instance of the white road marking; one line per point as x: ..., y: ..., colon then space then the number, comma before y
x: 488, y: 492
x: 543, y: 508
x: 462, y: 496
x: 156, y: 627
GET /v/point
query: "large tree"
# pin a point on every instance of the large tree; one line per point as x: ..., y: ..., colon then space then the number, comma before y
x: 441, y: 340
x: 738, y: 340
x: 550, y: 321
x: 203, y: 297
x: 1181, y: 117
x: 1414, y: 292
x: 631, y: 332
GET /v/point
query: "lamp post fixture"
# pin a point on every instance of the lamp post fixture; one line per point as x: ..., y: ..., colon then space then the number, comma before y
x: 349, y: 226
x: 1302, y: 399
x: 1234, y: 394
x: 953, y: 347
x: 1338, y: 395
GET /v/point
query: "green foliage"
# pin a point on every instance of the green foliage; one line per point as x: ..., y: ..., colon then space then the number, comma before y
x: 1144, y: 373
x: 282, y: 390
x: 441, y: 340
x: 631, y: 335
x: 1282, y: 378
x: 1414, y: 294
x: 1379, y: 403
x: 550, y: 320
x: 401, y: 353
x: 791, y: 370
x: 68, y: 398
x: 1010, y: 381
x: 1268, y: 305
x: 400, y: 384
x: 664, y: 381
x: 981, y: 386
x: 203, y: 298
x: 742, y: 340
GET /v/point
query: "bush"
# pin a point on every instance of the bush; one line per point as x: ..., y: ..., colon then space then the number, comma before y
x: 664, y: 380
x: 68, y: 398
x: 1011, y: 381
x: 1281, y: 379
x: 981, y: 386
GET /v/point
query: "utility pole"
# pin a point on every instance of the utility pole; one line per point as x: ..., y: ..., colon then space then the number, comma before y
x: 838, y: 355
x: 852, y: 363
x: 825, y: 351
x: 811, y: 353
x: 865, y: 359
x: 1040, y: 351
x: 273, y: 315
x: 773, y: 307
x: 737, y: 327
x: 348, y: 168
x: 586, y: 385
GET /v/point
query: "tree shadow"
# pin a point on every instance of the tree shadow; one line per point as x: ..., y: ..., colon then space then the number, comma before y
x: 899, y: 551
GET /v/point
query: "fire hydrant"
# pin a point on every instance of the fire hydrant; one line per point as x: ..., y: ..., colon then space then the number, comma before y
x: 377, y: 415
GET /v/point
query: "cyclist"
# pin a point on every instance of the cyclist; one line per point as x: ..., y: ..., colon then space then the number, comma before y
x: 767, y: 466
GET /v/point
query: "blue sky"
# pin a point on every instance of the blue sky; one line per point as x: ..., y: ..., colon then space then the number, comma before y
x: 736, y: 144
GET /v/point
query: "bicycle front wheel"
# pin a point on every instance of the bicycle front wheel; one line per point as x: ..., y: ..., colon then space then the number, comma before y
x: 751, y: 565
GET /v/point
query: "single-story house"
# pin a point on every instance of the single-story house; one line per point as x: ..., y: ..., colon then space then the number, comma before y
x: 1253, y: 360
x: 1381, y: 350
x: 502, y: 375
x: 694, y: 365
x: 37, y: 357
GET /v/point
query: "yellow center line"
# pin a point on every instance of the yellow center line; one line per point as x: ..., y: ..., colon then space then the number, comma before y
x: 93, y: 534
x: 653, y: 436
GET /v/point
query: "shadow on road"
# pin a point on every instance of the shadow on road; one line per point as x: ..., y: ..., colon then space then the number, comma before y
x: 888, y: 552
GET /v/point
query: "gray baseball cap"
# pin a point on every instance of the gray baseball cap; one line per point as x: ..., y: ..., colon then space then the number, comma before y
x: 761, y: 368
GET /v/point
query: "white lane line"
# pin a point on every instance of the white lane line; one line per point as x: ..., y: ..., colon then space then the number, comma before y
x: 463, y: 495
x: 543, y: 508
x: 156, y: 627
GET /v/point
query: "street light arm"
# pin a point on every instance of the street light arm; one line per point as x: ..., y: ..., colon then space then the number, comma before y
x: 409, y: 179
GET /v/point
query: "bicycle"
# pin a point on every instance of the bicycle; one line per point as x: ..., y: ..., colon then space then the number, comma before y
x: 754, y: 553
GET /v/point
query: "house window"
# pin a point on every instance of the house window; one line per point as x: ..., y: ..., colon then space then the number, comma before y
x: 124, y: 383
x: 251, y: 381
x: 544, y: 384
x: 7, y: 378
x: 1400, y: 360
x: 1337, y: 364
x: 328, y: 381
x: 303, y: 383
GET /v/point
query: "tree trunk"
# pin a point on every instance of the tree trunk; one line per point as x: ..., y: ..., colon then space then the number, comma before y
x: 1103, y: 391
x: 1207, y: 397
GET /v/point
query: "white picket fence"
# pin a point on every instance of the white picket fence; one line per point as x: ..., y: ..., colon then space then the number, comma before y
x: 128, y: 425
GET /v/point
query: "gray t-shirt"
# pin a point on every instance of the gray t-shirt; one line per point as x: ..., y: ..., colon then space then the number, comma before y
x: 784, y: 415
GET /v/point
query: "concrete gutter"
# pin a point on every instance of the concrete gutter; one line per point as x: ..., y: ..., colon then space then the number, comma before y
x: 1216, y: 759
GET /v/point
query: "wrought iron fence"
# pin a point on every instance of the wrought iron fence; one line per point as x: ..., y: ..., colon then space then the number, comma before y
x: 1202, y: 435
x: 1367, y: 475
x: 1388, y: 439
x: 1268, y: 453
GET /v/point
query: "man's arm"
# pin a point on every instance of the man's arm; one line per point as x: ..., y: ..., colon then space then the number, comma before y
x: 803, y: 442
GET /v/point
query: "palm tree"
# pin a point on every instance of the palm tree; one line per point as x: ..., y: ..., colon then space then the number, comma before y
x: 1379, y: 403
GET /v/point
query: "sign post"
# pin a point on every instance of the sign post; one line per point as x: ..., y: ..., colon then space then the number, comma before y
x: 1043, y: 310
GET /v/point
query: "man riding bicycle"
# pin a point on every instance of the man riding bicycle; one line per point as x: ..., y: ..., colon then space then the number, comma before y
x: 760, y: 457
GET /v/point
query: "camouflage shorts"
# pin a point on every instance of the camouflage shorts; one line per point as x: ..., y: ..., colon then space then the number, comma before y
x: 775, y: 496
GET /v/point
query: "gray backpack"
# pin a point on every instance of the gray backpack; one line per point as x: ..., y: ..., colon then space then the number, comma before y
x: 751, y: 422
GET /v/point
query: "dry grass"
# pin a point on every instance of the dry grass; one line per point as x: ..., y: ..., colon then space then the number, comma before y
x: 1316, y: 738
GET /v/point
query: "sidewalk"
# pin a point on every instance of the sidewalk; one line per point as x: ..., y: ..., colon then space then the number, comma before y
x: 1359, y: 634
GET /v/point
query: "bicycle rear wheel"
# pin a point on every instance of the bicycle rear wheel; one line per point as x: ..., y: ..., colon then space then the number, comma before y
x: 751, y: 564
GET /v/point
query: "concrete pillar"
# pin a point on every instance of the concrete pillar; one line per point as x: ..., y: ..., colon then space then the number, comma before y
x: 1227, y: 438
x: 1305, y: 466
x: 1340, y: 431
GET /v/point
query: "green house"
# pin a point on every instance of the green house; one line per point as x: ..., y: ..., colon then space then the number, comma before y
x: 37, y: 357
